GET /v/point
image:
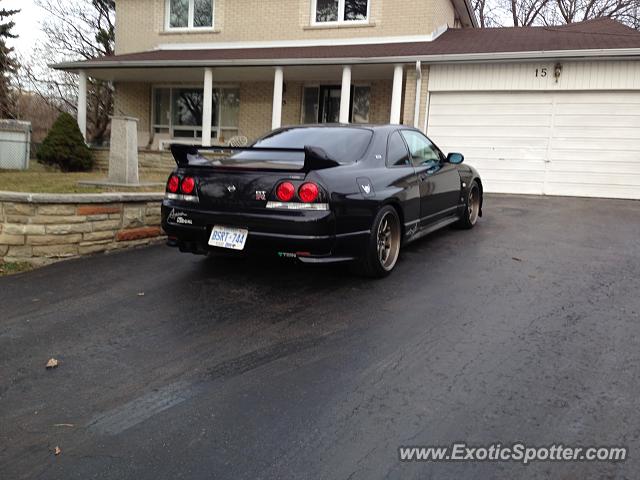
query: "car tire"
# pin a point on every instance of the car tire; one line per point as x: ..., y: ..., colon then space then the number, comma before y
x: 471, y: 210
x: 383, y: 246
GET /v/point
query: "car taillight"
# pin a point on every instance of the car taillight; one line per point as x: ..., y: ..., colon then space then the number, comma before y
x: 173, y: 184
x: 188, y: 185
x: 285, y: 191
x: 308, y: 192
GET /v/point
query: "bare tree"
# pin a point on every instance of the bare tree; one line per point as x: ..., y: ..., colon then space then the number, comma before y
x: 31, y: 107
x: 554, y: 12
x: 525, y: 13
x: 570, y: 11
x: 486, y: 12
x: 75, y: 30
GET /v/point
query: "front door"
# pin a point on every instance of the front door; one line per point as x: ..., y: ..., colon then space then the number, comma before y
x: 321, y: 104
x: 439, y: 181
x: 330, y: 104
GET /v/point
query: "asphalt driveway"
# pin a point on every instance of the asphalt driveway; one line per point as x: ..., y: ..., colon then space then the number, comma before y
x: 524, y: 329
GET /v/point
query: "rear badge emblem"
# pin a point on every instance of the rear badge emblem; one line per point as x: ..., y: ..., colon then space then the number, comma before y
x: 366, y: 189
x: 261, y: 195
x: 231, y: 188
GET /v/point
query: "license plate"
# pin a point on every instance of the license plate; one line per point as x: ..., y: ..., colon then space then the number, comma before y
x: 227, y: 237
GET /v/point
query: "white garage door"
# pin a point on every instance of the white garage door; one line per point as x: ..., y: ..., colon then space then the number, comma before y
x: 570, y: 143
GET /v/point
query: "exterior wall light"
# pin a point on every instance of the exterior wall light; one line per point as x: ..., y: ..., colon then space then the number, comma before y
x: 557, y: 71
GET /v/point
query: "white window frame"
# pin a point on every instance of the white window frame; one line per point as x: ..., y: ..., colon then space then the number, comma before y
x: 197, y: 129
x: 341, y: 12
x: 190, y: 26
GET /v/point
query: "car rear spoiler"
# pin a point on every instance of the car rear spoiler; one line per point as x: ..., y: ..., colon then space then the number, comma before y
x: 315, y: 158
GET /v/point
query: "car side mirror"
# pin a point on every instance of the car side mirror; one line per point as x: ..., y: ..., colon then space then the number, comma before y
x: 455, y: 158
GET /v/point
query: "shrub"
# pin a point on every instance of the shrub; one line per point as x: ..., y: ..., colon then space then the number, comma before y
x: 65, y: 147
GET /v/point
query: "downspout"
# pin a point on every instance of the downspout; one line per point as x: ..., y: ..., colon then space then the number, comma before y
x: 416, y: 111
x: 426, y: 113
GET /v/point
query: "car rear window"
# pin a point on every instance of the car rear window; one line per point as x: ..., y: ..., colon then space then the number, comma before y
x: 344, y: 145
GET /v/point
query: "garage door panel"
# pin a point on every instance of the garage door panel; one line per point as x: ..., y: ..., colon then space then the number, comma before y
x: 487, y: 110
x: 508, y: 133
x: 484, y: 98
x: 599, y: 109
x: 594, y: 178
x: 595, y: 156
x: 501, y: 154
x: 490, y: 164
x: 598, y: 98
x: 600, y: 133
x: 579, y: 165
x: 608, y: 147
x: 557, y: 143
x: 498, y: 120
x: 488, y: 142
x: 602, y: 121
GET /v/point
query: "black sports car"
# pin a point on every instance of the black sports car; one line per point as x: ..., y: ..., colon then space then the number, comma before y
x: 321, y: 194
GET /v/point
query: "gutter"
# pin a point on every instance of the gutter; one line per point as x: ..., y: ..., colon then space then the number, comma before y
x: 619, y: 53
x: 323, y: 42
x: 416, y: 110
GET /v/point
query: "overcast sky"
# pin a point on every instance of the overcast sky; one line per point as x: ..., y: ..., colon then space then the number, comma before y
x: 27, y: 24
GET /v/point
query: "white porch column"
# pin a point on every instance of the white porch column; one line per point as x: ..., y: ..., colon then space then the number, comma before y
x: 278, y: 86
x: 345, y: 95
x: 396, y: 95
x: 207, y: 107
x: 82, y: 102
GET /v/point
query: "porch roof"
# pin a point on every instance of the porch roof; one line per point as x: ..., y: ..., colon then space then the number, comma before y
x: 594, y: 38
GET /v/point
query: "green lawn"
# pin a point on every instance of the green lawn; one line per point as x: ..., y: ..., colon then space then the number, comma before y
x: 41, y: 179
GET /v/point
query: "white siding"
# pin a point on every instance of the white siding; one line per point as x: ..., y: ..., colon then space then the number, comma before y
x: 611, y: 75
x: 562, y: 143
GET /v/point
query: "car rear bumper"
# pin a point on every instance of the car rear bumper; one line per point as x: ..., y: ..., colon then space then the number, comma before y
x: 309, y: 236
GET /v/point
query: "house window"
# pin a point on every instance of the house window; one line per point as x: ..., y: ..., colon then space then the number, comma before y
x: 189, y: 14
x: 178, y: 112
x: 361, y: 100
x: 341, y: 11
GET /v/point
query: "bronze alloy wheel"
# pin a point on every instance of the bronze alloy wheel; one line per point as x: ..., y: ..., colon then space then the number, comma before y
x: 388, y: 241
x: 474, y: 204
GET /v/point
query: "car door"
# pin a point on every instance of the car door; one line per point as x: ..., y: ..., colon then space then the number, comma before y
x: 403, y: 176
x: 439, y: 181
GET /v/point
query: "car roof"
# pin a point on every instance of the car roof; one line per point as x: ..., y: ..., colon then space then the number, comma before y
x: 370, y: 126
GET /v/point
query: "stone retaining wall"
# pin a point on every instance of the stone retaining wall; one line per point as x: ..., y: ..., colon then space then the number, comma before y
x: 43, y: 228
x: 149, y: 161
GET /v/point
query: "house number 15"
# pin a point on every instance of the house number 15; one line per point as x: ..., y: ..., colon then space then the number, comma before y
x: 541, y: 72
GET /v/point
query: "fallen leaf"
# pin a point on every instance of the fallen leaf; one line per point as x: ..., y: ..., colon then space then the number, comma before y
x: 141, y: 294
x: 52, y: 363
x: 64, y: 425
x: 57, y: 451
x: 516, y: 259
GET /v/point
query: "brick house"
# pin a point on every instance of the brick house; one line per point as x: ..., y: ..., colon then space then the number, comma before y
x: 511, y: 99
